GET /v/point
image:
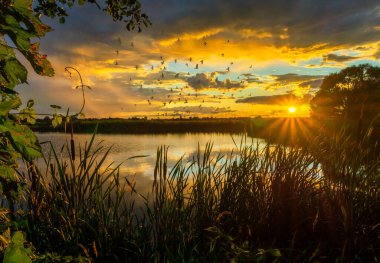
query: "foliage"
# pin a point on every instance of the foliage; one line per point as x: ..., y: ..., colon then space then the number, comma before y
x: 16, y: 251
x: 258, y: 203
x: 19, y: 23
x: 353, y: 94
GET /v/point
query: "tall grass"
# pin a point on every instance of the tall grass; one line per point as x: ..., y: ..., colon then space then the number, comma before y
x: 78, y: 207
x: 272, y: 203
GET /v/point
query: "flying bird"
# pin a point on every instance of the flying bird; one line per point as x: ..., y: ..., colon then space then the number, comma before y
x: 196, y: 66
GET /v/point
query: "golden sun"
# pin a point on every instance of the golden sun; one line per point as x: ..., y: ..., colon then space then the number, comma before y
x: 292, y: 109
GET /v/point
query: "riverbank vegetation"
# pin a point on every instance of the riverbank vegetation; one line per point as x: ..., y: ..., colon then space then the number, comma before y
x: 265, y: 204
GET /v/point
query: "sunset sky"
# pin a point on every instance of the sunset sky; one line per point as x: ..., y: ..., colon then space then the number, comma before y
x: 205, y: 58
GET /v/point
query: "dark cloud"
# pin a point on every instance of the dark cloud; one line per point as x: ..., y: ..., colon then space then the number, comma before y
x: 251, y: 78
x: 199, y: 109
x: 294, y: 78
x: 276, y: 99
x: 308, y: 22
x: 201, y: 81
x: 148, y: 92
x: 210, y: 81
x: 88, y: 22
x: 164, y: 76
x: 363, y: 48
x: 313, y: 84
x: 337, y: 58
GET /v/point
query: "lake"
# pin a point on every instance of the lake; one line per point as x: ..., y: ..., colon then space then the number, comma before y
x: 126, y: 146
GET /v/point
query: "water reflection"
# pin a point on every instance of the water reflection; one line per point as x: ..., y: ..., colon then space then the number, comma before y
x: 141, y: 169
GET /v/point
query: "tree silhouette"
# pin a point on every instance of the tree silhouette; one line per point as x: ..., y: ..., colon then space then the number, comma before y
x: 351, y: 95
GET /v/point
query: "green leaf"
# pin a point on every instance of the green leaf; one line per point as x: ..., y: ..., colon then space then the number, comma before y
x: 18, y: 238
x: 274, y: 252
x: 8, y: 91
x: 16, y: 251
x: 21, y: 37
x: 22, y: 139
x: 12, y: 72
x: 31, y: 119
x: 16, y: 73
x: 28, y: 114
x: 7, y: 172
x: 10, y: 104
x: 57, y: 120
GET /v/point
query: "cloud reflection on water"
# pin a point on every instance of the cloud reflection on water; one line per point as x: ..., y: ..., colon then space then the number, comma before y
x: 141, y: 169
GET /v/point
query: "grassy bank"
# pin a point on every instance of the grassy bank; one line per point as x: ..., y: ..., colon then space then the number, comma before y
x: 288, y: 204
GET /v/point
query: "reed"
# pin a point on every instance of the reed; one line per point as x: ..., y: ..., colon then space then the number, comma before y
x: 319, y: 202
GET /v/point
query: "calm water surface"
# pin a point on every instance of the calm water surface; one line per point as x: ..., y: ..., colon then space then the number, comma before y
x: 127, y: 146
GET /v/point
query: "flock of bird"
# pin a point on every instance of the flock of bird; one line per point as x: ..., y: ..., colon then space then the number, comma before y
x: 183, y: 94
